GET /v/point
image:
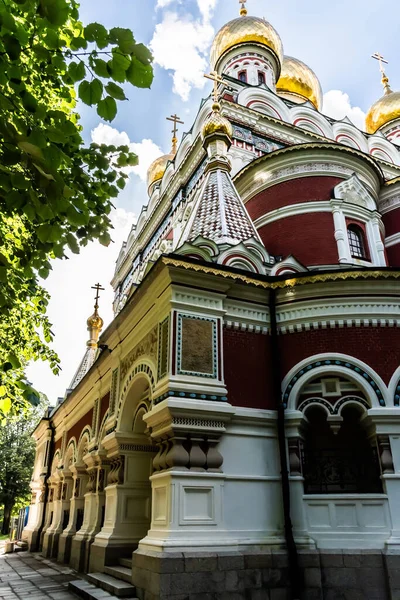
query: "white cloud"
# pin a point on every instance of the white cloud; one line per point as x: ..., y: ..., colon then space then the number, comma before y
x: 180, y: 44
x: 164, y: 3
x: 337, y: 105
x: 71, y: 303
x: 146, y: 150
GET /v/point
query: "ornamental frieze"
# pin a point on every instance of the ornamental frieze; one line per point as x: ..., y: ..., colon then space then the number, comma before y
x: 146, y: 347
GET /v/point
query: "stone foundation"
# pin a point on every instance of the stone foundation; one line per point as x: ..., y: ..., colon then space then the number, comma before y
x: 263, y: 575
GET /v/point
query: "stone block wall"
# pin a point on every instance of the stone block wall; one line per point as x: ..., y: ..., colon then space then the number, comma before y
x: 263, y: 575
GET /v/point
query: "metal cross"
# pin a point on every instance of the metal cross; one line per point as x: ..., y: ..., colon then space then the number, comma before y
x: 381, y: 61
x: 216, y: 79
x: 98, y: 289
x: 175, y: 119
x: 243, y: 10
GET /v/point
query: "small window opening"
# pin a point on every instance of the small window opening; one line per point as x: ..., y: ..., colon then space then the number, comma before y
x: 261, y: 78
x: 356, y: 242
x: 242, y: 76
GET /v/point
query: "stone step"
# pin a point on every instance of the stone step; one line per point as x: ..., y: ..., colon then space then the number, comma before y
x: 88, y: 591
x: 125, y: 562
x: 120, y: 572
x: 119, y: 588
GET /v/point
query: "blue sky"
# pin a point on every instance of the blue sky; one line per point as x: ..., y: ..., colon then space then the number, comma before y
x: 335, y: 38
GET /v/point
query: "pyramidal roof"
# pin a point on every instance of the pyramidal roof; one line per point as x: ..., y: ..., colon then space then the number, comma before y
x: 220, y: 214
x: 84, y: 367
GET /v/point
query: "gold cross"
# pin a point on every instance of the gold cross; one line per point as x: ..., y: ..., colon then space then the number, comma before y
x: 381, y: 61
x: 243, y: 10
x: 98, y: 289
x: 216, y: 79
x: 175, y: 119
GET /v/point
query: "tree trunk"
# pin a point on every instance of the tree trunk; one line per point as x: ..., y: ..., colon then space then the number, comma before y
x: 5, y: 529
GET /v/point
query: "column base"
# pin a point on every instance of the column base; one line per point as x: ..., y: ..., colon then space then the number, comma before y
x: 80, y: 548
x: 108, y: 554
x: 64, y: 547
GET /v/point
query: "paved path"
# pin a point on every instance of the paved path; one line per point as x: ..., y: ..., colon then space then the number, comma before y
x: 25, y: 576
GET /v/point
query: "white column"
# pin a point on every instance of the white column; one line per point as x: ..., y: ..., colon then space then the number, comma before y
x: 340, y: 232
x: 376, y: 245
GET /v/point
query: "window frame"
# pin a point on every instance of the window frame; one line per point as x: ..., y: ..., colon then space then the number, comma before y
x: 358, y: 244
x: 261, y: 75
x: 241, y: 73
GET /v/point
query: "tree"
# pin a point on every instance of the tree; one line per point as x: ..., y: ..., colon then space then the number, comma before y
x: 55, y: 192
x: 17, y: 455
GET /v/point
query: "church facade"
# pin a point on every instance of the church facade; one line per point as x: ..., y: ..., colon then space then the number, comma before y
x: 235, y: 431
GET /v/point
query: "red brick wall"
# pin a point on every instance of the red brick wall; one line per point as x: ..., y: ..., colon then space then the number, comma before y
x: 378, y: 347
x: 296, y: 191
x: 391, y: 220
x: 393, y: 255
x: 310, y: 238
x: 104, y: 404
x: 246, y: 369
x: 77, y: 429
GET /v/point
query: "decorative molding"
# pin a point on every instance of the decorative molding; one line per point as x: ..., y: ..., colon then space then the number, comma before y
x: 147, y: 347
x: 242, y: 326
x: 190, y: 395
x: 392, y: 240
x: 114, y: 390
x: 332, y: 363
x: 163, y: 348
x: 333, y: 409
x: 213, y: 374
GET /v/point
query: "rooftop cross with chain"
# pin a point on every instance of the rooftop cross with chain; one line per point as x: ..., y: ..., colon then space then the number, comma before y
x: 175, y: 119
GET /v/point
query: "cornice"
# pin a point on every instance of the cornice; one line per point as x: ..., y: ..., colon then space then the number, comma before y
x: 392, y: 240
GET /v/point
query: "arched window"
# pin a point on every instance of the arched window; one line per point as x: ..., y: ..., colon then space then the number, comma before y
x: 261, y: 78
x: 242, y: 76
x: 356, y: 241
x: 339, y: 462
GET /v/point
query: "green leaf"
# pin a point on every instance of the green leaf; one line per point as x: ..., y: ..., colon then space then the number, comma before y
x: 142, y: 53
x: 19, y: 181
x: 105, y: 239
x: 90, y: 92
x: 94, y: 32
x: 76, y: 217
x: 77, y: 71
x: 124, y: 38
x: 28, y: 101
x: 55, y: 11
x: 100, y: 68
x: 118, y: 66
x: 72, y: 243
x: 139, y: 75
x: 5, y: 404
x: 44, y: 233
x: 12, y: 46
x: 115, y: 91
x: 107, y: 108
x: 121, y: 183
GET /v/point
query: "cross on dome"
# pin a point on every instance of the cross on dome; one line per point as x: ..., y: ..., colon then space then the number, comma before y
x: 216, y: 79
x: 385, y: 79
x: 98, y: 289
x: 175, y: 119
x: 243, y: 9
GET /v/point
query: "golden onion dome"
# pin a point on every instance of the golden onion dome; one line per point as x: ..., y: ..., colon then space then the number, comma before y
x: 385, y: 110
x: 95, y: 321
x: 216, y: 123
x: 157, y: 168
x: 245, y: 30
x: 299, y: 82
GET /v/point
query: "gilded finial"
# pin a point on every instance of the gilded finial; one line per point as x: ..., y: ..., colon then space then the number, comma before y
x: 385, y: 79
x: 216, y: 123
x: 175, y: 119
x: 95, y: 322
x: 243, y: 9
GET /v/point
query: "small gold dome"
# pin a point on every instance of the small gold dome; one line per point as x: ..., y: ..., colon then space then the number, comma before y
x: 95, y: 321
x: 157, y: 168
x: 216, y: 123
x: 245, y: 30
x: 301, y: 81
x: 386, y: 109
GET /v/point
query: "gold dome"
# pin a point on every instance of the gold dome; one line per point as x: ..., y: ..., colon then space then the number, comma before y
x: 157, y: 168
x: 298, y: 79
x: 386, y: 109
x: 95, y: 321
x: 216, y: 123
x: 245, y: 30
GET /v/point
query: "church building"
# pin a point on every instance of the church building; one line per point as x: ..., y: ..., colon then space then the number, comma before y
x: 234, y: 433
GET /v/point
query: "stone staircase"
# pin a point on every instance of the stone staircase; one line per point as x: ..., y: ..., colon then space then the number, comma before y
x: 115, y: 582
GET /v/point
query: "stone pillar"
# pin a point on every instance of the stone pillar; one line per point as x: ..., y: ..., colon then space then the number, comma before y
x: 187, y: 484
x: 127, y: 499
x: 295, y: 428
x: 61, y: 513
x: 53, y: 514
x: 79, y: 481
x: 97, y: 467
x: 340, y: 232
x: 387, y: 426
